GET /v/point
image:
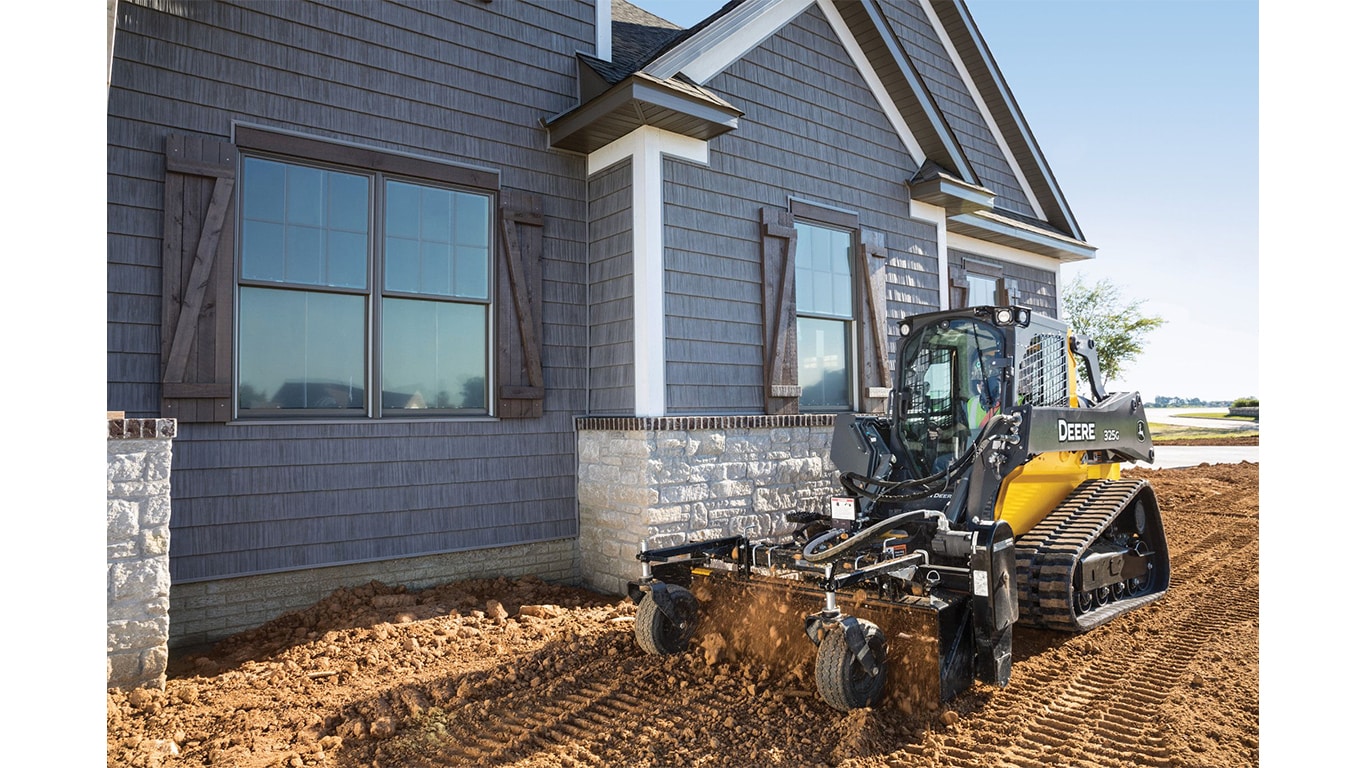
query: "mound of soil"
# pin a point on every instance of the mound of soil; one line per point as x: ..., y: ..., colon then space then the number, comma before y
x: 525, y: 673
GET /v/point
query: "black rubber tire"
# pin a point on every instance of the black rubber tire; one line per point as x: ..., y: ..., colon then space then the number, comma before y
x: 655, y: 634
x: 841, y: 679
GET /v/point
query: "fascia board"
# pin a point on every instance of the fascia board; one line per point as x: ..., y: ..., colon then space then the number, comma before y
x: 711, y: 50
x: 992, y: 227
x: 871, y: 79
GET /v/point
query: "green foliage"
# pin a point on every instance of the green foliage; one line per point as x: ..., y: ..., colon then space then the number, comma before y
x: 1246, y: 402
x: 1117, y: 327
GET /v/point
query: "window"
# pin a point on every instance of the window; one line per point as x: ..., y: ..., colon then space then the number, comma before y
x: 825, y: 316
x: 975, y: 282
x: 824, y: 309
x: 981, y: 290
x: 354, y: 283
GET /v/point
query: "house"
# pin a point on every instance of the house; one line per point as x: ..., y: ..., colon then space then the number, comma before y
x: 469, y: 287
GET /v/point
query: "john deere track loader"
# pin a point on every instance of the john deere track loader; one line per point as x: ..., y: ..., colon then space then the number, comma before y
x: 989, y: 494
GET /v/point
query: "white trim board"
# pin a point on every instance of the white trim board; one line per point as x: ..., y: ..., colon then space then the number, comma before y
x: 1003, y: 253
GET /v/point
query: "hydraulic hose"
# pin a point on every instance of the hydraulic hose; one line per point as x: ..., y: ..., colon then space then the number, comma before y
x: 928, y: 485
x: 857, y: 539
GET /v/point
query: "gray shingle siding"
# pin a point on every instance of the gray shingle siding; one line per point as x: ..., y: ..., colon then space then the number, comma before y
x: 611, y: 331
x: 931, y: 59
x: 912, y: 277
x: 812, y: 130
x: 453, y: 81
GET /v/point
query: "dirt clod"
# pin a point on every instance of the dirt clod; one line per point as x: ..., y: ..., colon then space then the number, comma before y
x: 524, y: 673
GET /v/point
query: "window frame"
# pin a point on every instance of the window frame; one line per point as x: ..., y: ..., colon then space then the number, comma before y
x: 825, y: 217
x: 379, y: 168
x: 969, y: 268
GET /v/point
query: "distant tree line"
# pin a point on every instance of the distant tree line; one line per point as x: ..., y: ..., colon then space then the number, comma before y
x: 1166, y: 401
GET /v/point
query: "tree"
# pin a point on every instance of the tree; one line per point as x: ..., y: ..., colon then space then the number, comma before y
x: 1118, y: 328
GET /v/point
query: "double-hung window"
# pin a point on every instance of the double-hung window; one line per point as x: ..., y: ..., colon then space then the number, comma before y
x: 361, y: 293
x: 825, y: 316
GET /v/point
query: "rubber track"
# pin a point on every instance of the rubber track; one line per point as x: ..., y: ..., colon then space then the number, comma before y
x: 1047, y: 555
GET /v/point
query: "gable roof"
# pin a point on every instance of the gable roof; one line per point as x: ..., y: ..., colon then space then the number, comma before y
x: 659, y: 70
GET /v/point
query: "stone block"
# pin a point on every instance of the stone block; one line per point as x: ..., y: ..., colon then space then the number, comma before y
x: 156, y: 509
x: 678, y: 494
x: 156, y: 542
x: 121, y: 520
x: 666, y: 515
x: 139, y: 579
x: 124, y: 466
x: 733, y: 488
x: 711, y: 444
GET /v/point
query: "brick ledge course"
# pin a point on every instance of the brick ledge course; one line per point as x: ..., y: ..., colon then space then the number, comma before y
x: 684, y: 423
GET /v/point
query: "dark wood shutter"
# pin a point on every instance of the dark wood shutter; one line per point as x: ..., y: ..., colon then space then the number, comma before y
x: 779, y: 234
x: 958, y: 287
x: 872, y: 321
x: 197, y: 274
x: 520, y: 382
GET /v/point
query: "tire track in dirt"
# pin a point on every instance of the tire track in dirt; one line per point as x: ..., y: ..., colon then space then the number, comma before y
x: 571, y: 720
x: 1105, y: 711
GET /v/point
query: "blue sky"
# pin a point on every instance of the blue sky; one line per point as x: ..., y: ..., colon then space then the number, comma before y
x: 1147, y: 112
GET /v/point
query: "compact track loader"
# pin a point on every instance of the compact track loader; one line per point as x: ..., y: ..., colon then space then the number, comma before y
x: 989, y: 494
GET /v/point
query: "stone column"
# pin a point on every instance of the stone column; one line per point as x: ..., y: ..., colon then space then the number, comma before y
x: 138, y: 550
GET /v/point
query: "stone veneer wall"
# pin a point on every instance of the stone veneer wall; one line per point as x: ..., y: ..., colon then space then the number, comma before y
x: 138, y: 574
x: 672, y: 479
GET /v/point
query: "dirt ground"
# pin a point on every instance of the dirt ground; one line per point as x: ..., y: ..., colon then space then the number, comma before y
x: 523, y: 673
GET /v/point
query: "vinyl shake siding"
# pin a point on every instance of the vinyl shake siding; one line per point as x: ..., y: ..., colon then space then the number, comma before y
x: 452, y: 82
x: 610, y: 331
x: 812, y: 130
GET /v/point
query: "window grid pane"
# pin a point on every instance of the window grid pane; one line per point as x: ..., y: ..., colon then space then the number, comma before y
x: 437, y: 241
x: 824, y: 278
x: 981, y: 290
x: 301, y: 350
x: 304, y: 225
x: 823, y: 363
x: 434, y: 355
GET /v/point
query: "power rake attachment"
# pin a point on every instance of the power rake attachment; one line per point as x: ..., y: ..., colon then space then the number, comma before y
x: 904, y: 603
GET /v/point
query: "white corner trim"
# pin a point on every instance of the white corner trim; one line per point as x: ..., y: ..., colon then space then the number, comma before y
x: 712, y: 50
x: 603, y: 22
x: 936, y: 216
x: 1003, y: 253
x: 982, y: 108
x: 647, y: 146
x: 865, y: 68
